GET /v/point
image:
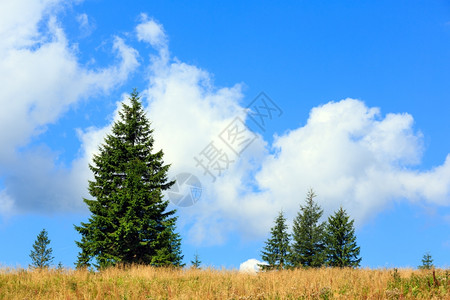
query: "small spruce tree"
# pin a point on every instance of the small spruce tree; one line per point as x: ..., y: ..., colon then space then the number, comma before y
x: 340, y: 241
x: 41, y: 255
x: 276, y: 251
x: 427, y: 262
x: 196, y: 262
x: 308, y: 247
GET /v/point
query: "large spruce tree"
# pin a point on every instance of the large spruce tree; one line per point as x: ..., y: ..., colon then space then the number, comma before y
x: 276, y: 251
x: 308, y: 235
x: 340, y: 241
x: 130, y: 222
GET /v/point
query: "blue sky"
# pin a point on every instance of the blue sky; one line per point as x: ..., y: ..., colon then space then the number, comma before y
x: 362, y: 86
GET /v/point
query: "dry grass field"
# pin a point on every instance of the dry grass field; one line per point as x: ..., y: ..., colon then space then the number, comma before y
x: 141, y: 282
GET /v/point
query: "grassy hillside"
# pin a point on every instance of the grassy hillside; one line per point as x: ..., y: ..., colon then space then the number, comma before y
x: 149, y: 283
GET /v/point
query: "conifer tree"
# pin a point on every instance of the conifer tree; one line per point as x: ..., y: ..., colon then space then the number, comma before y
x: 308, y: 235
x: 340, y: 241
x: 130, y: 222
x: 427, y: 262
x: 276, y: 251
x: 196, y: 262
x: 41, y: 255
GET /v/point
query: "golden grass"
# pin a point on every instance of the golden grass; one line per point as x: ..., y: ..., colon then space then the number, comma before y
x: 140, y: 282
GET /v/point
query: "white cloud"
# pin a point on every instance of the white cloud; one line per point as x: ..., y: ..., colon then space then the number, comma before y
x: 52, y: 73
x: 42, y: 79
x: 19, y: 26
x: 250, y: 266
x: 151, y: 32
x: 354, y: 157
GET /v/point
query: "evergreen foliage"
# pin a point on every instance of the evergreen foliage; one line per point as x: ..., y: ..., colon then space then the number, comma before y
x: 196, y: 262
x: 130, y: 222
x: 427, y: 262
x: 41, y: 255
x: 308, y: 247
x: 276, y: 251
x: 340, y: 241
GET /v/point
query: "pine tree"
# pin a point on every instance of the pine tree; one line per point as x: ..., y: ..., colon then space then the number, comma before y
x: 196, y: 262
x: 130, y: 222
x: 427, y: 262
x: 41, y: 255
x: 340, y: 241
x: 276, y: 251
x: 308, y: 235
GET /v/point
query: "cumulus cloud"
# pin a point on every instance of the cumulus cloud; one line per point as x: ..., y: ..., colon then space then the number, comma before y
x: 250, y: 266
x: 350, y: 154
x: 151, y: 32
x: 19, y: 26
x: 42, y: 79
